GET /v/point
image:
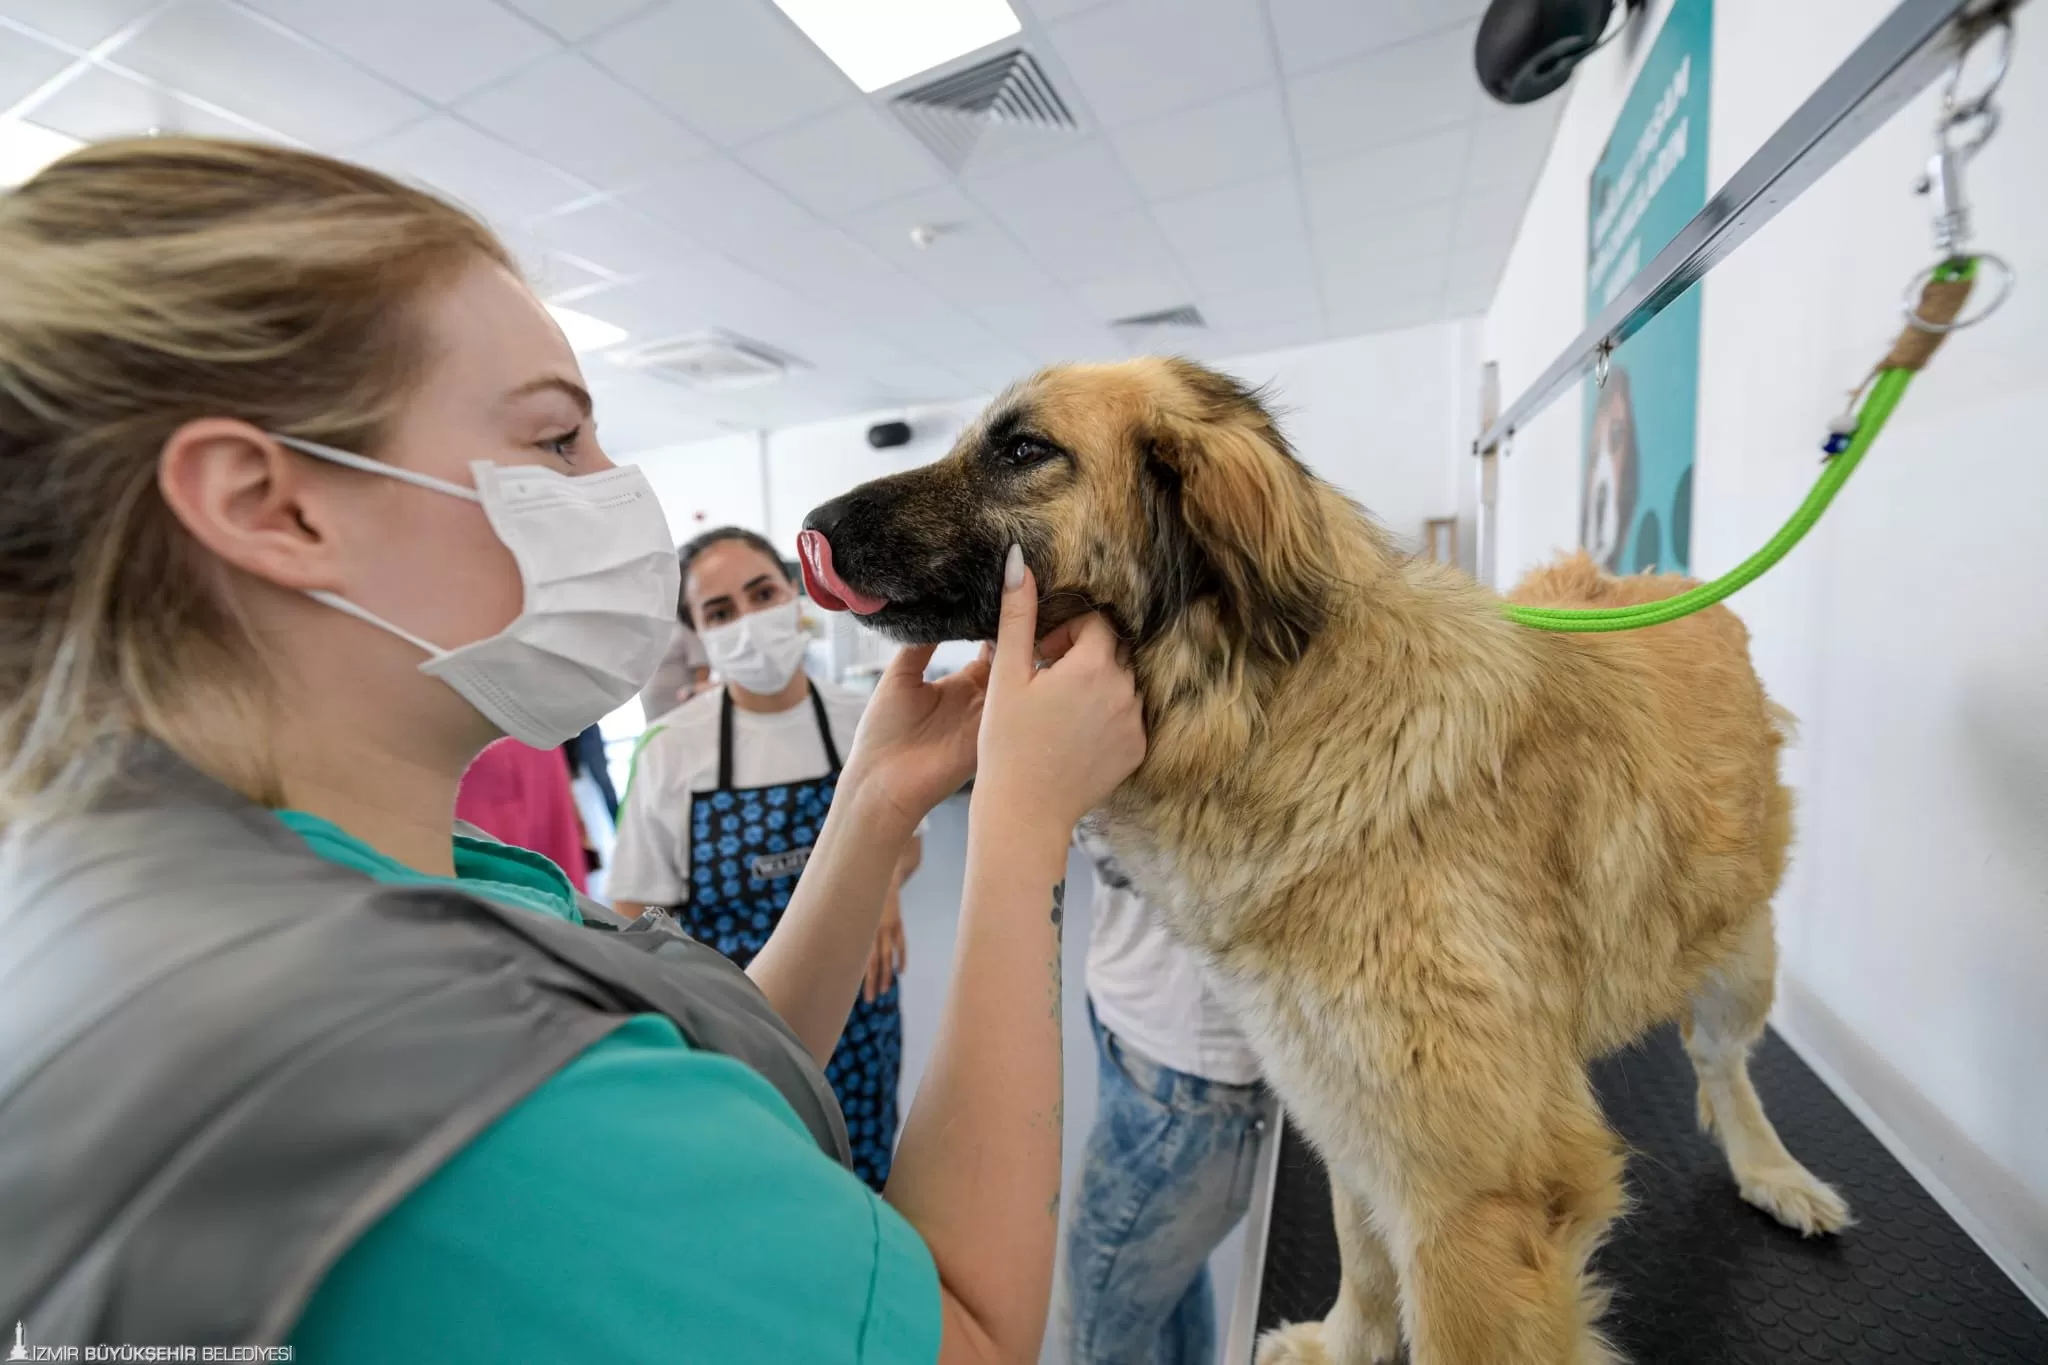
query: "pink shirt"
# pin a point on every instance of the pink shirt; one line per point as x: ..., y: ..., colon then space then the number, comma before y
x: 521, y: 795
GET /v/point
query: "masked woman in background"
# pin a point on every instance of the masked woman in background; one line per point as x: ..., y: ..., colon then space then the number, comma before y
x: 728, y: 794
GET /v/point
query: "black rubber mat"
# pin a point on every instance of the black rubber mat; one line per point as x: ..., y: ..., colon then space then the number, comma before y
x: 1699, y: 1277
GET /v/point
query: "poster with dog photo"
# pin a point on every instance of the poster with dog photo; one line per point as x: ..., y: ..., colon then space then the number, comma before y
x: 1636, y: 501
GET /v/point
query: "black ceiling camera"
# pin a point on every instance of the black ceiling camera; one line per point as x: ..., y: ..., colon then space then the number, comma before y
x: 882, y: 435
x: 1527, y: 48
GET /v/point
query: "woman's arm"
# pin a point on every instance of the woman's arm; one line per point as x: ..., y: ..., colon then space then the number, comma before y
x: 978, y: 1170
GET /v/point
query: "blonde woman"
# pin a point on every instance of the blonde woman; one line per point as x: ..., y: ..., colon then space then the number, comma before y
x: 301, y: 505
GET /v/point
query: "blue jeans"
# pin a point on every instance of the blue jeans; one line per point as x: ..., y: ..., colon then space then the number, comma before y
x: 1166, y: 1175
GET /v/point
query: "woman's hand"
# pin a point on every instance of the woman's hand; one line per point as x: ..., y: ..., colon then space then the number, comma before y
x: 916, y: 742
x: 1055, y: 741
x: 890, y: 953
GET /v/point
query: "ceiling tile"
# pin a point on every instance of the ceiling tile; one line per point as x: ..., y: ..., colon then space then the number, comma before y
x: 1225, y: 346
x: 886, y: 228
x: 732, y: 71
x: 1403, y: 91
x: 613, y: 236
x: 1246, y: 236
x: 99, y: 104
x: 728, y: 208
x: 567, y: 112
x: 1380, y: 300
x: 1130, y: 294
x: 1047, y: 11
x: 1472, y: 278
x: 1082, y: 182
x: 557, y: 278
x: 1139, y: 59
x: 442, y: 51
x: 575, y: 20
x: 82, y: 23
x: 1240, y: 137
x: 1386, y: 241
x: 473, y: 168
x: 1094, y: 248
x: 1347, y: 197
x: 1286, y: 305
x: 1488, y: 219
x: 1314, y: 33
x: 846, y: 160
x: 233, y: 59
x: 1508, y: 147
x: 24, y: 65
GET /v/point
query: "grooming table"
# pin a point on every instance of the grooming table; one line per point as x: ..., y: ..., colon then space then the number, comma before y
x: 1699, y: 1277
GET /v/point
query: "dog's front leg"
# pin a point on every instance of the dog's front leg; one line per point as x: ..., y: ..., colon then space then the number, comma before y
x: 1365, y: 1326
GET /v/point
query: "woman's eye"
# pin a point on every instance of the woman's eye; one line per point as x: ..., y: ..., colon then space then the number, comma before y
x: 1020, y: 451
x: 562, y: 447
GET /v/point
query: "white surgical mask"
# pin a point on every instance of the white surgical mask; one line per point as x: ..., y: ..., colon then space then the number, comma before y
x: 599, y: 575
x: 760, y: 652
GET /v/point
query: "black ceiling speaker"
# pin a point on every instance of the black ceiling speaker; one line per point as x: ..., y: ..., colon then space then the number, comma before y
x: 882, y: 435
x: 1527, y: 48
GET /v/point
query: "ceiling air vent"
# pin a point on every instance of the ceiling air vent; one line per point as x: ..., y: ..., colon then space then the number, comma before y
x: 1187, y: 315
x: 712, y: 360
x: 982, y: 110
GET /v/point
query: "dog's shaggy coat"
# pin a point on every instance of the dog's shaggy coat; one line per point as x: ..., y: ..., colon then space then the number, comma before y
x: 1438, y: 860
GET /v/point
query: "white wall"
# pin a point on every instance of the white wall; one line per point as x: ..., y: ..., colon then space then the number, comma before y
x: 1384, y: 417
x: 703, y: 484
x: 1909, y: 632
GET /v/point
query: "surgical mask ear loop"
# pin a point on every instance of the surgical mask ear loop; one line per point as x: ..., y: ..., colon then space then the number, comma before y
x: 370, y: 466
x: 348, y: 608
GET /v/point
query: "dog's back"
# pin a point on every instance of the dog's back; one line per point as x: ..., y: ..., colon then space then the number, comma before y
x: 1696, y: 754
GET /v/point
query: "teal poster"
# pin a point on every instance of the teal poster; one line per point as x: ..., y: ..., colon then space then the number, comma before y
x: 1636, y: 500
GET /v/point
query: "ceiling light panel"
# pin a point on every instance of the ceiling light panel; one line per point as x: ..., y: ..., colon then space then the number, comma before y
x: 880, y: 42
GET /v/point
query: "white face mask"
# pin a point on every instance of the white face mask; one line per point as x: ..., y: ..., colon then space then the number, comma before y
x: 760, y: 652
x: 600, y: 579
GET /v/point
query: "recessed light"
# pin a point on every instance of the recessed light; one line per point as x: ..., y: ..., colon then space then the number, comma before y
x: 879, y: 42
x: 26, y: 148
x: 586, y: 333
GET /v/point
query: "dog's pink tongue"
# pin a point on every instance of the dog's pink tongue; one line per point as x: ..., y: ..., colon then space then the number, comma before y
x: 823, y: 582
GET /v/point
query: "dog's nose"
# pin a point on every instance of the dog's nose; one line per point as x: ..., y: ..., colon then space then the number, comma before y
x: 826, y: 517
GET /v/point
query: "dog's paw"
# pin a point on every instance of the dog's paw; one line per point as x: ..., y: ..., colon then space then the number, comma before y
x: 1797, y: 1198
x: 1318, y: 1343
x: 1294, y: 1343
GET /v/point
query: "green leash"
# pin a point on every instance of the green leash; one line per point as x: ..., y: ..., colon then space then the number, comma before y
x: 1886, y: 389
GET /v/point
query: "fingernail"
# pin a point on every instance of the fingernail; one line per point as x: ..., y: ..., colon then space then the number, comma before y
x: 1013, y: 569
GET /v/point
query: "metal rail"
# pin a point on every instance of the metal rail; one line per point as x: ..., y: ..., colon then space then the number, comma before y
x: 1916, y: 43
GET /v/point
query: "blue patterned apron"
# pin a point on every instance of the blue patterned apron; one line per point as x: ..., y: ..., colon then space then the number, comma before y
x: 746, y: 848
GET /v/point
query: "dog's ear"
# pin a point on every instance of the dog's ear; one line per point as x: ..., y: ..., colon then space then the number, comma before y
x: 1230, y: 511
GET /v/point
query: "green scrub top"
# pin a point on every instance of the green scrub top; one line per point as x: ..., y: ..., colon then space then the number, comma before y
x: 648, y: 1203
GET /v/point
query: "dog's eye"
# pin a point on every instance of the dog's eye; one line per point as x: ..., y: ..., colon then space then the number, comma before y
x: 1020, y: 452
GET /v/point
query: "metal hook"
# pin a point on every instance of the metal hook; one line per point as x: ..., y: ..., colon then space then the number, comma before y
x: 1600, y: 357
x: 1955, y: 111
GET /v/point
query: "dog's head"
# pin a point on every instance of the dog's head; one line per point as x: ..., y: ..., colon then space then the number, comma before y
x: 1156, y: 491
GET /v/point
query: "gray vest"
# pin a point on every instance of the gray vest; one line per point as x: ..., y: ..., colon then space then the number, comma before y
x: 223, y: 1058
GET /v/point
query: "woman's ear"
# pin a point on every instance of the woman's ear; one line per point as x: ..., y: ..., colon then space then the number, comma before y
x: 242, y: 496
x: 1229, y: 513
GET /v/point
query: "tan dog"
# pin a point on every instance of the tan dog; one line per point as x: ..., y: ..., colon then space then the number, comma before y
x: 1439, y: 860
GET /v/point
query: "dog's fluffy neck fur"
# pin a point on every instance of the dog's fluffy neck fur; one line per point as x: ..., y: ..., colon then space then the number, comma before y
x: 1416, y: 642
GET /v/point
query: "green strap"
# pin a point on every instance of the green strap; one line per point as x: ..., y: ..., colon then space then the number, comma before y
x: 1884, y: 395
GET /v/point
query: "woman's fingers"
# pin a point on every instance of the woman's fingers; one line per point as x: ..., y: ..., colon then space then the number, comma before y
x: 910, y: 662
x: 1058, y: 641
x: 1016, y: 631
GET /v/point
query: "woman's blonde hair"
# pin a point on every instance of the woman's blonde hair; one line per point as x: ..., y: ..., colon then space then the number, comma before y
x: 143, y: 284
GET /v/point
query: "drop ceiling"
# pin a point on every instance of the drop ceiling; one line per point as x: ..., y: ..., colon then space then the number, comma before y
x: 1293, y: 169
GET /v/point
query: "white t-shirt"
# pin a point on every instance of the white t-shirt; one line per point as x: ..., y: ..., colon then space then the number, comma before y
x: 679, y: 757
x: 1152, y: 992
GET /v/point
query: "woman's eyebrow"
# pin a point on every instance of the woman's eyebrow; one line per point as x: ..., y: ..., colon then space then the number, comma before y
x: 576, y: 393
